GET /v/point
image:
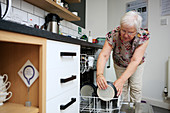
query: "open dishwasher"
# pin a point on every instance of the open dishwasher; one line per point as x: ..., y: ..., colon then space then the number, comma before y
x: 90, y: 102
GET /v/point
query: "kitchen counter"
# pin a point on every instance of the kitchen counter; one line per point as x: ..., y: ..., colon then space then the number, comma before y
x: 18, y: 28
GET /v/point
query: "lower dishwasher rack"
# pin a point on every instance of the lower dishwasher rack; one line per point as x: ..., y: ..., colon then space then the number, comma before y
x: 95, y: 105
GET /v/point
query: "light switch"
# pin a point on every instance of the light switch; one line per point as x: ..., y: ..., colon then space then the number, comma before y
x: 164, y: 21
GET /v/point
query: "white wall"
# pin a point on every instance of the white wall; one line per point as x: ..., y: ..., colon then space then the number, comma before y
x: 155, y: 74
x: 96, y: 17
x: 116, y: 9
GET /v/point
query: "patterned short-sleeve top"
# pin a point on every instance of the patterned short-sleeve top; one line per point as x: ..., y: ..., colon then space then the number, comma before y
x: 123, y: 51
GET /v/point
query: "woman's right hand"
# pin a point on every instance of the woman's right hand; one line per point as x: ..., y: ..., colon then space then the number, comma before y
x: 101, y: 82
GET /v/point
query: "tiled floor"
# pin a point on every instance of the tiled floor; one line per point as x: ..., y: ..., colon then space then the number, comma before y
x: 160, y: 110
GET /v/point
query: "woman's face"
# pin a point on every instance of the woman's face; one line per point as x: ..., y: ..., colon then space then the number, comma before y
x: 127, y: 32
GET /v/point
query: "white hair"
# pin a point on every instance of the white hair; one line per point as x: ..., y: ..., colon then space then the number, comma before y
x: 132, y: 18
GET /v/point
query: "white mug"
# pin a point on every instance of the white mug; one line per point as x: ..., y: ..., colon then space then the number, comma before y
x: 2, y: 81
x: 3, y: 96
x: 5, y: 87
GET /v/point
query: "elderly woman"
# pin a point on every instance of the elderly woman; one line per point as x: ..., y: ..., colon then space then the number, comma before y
x: 128, y: 42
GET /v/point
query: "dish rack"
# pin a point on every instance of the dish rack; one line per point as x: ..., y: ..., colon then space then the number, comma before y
x: 90, y: 104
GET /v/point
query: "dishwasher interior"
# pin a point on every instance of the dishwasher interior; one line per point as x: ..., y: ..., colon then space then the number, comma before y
x: 90, y: 103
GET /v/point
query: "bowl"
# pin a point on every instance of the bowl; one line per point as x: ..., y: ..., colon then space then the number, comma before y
x: 107, y: 94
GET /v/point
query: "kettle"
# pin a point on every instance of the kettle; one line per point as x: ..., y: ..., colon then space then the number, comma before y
x: 52, y: 23
x: 8, y: 6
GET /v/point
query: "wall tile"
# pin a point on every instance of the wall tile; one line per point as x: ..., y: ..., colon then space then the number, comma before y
x: 62, y: 22
x: 26, y: 7
x: 39, y: 12
x: 32, y: 19
x: 46, y: 13
x: 70, y: 32
x: 19, y: 15
x: 16, y: 3
x: 42, y: 21
x: 65, y: 30
x: 69, y: 24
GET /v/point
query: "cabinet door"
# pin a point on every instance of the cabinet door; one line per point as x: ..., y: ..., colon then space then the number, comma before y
x: 63, y: 63
x: 68, y: 100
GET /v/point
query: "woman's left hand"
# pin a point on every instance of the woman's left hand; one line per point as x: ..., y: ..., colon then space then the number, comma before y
x: 119, y: 86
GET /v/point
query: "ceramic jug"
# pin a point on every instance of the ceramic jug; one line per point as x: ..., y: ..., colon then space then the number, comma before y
x: 3, y: 79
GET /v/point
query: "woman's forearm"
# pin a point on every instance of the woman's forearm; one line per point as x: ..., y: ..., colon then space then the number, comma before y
x: 101, y: 62
x: 103, y: 57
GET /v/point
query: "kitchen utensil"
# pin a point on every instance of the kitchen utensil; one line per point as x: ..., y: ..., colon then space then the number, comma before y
x: 3, y: 96
x: 107, y: 94
x: 3, y: 79
x: 52, y: 23
x: 5, y: 87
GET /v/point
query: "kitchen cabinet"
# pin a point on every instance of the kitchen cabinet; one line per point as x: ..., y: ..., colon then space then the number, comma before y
x: 63, y: 77
x: 15, y: 50
x: 53, y: 7
x: 58, y: 64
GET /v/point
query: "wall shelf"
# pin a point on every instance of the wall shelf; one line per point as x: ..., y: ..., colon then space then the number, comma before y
x: 17, y: 108
x: 52, y: 7
x: 73, y: 1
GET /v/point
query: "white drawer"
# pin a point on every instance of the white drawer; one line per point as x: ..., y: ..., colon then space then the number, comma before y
x: 53, y: 105
x: 54, y: 85
x: 61, y: 67
x: 62, y: 63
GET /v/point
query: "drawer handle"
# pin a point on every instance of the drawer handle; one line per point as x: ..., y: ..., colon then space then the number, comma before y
x: 68, y: 79
x: 67, y: 54
x: 63, y: 107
